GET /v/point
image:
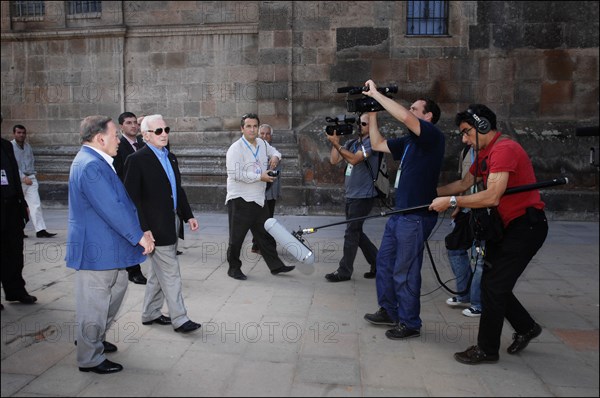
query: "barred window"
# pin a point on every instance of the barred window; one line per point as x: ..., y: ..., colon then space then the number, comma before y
x: 28, y: 9
x: 83, y: 7
x: 427, y: 18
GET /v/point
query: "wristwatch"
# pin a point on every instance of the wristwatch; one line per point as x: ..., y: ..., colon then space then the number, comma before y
x: 453, y: 202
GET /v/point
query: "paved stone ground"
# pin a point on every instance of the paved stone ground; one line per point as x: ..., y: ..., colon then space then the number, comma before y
x: 299, y: 335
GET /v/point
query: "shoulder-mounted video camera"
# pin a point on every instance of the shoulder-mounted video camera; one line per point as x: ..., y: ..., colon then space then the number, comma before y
x: 342, y: 125
x: 365, y: 103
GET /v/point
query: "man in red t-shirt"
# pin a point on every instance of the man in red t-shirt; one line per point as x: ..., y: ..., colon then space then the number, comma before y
x: 501, y: 164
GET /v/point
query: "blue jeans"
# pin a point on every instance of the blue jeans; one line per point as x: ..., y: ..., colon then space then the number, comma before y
x: 460, y: 261
x: 399, y: 263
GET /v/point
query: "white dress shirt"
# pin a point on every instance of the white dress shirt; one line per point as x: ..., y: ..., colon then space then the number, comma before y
x: 245, y: 164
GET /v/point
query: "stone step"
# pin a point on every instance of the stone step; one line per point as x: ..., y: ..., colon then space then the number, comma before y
x: 205, y: 164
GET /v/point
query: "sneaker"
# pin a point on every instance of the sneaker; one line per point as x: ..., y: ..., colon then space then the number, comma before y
x: 401, y: 332
x: 472, y: 312
x: 474, y: 355
x: 522, y: 340
x: 453, y: 302
x: 381, y: 317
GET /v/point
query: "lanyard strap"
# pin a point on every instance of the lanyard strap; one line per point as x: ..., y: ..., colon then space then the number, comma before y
x: 254, y: 153
x: 400, y: 168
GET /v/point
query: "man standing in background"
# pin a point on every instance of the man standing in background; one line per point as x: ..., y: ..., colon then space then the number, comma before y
x: 29, y: 183
x: 273, y: 191
x: 130, y: 142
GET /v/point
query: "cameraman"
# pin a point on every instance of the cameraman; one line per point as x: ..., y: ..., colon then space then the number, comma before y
x: 360, y: 195
x: 400, y: 257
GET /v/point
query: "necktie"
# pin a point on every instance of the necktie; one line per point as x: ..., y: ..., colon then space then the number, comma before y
x: 136, y: 145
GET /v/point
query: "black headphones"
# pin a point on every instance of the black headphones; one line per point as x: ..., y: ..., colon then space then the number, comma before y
x: 482, y: 125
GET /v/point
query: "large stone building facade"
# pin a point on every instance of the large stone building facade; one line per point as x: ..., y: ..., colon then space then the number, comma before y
x: 202, y: 64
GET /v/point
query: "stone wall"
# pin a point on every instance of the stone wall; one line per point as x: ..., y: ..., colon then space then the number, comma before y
x: 204, y: 63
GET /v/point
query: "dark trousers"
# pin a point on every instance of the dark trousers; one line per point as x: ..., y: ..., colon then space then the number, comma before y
x: 355, y: 238
x: 505, y: 262
x: 249, y: 216
x: 270, y: 204
x: 12, y: 251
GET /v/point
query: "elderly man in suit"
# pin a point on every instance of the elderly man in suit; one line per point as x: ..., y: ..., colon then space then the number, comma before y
x: 153, y: 181
x: 130, y: 142
x: 103, y: 237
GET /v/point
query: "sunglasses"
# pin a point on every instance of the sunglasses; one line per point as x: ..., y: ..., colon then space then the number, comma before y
x: 159, y: 130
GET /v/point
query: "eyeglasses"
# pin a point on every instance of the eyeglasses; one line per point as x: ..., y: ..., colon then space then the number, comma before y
x: 465, y: 131
x: 159, y: 130
x: 364, y: 123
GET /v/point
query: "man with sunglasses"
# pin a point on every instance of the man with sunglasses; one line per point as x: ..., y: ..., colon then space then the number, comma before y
x: 360, y: 195
x: 501, y: 163
x: 250, y: 161
x: 153, y: 181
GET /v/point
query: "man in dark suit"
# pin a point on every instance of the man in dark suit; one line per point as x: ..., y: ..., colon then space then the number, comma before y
x: 130, y: 142
x: 14, y: 218
x: 103, y: 237
x: 153, y: 181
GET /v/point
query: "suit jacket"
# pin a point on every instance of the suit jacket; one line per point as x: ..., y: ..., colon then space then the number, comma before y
x: 17, y: 198
x: 103, y: 229
x: 149, y: 187
x: 125, y: 150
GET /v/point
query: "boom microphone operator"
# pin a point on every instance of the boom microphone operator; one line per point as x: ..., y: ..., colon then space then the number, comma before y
x: 293, y: 244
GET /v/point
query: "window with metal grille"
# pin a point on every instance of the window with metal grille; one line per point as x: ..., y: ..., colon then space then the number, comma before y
x: 427, y: 18
x: 28, y: 9
x: 83, y: 7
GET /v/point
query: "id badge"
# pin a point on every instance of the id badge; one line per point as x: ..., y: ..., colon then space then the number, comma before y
x: 4, y: 177
x: 349, y: 170
x: 397, y: 178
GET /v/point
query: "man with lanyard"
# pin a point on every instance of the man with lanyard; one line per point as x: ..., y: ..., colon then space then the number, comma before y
x: 248, y: 168
x: 360, y: 196
x: 503, y: 164
x: 400, y: 257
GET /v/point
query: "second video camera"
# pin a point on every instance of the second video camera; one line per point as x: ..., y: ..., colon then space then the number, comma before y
x: 342, y: 125
x: 365, y: 103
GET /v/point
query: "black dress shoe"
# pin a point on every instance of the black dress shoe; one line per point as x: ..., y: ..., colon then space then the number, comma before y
x: 370, y: 274
x: 335, y: 277
x: 187, y: 327
x: 44, y: 234
x: 104, y: 368
x: 285, y: 268
x: 138, y: 278
x: 474, y: 355
x: 108, y: 347
x: 161, y: 320
x: 236, y: 274
x: 24, y: 298
x: 522, y: 340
